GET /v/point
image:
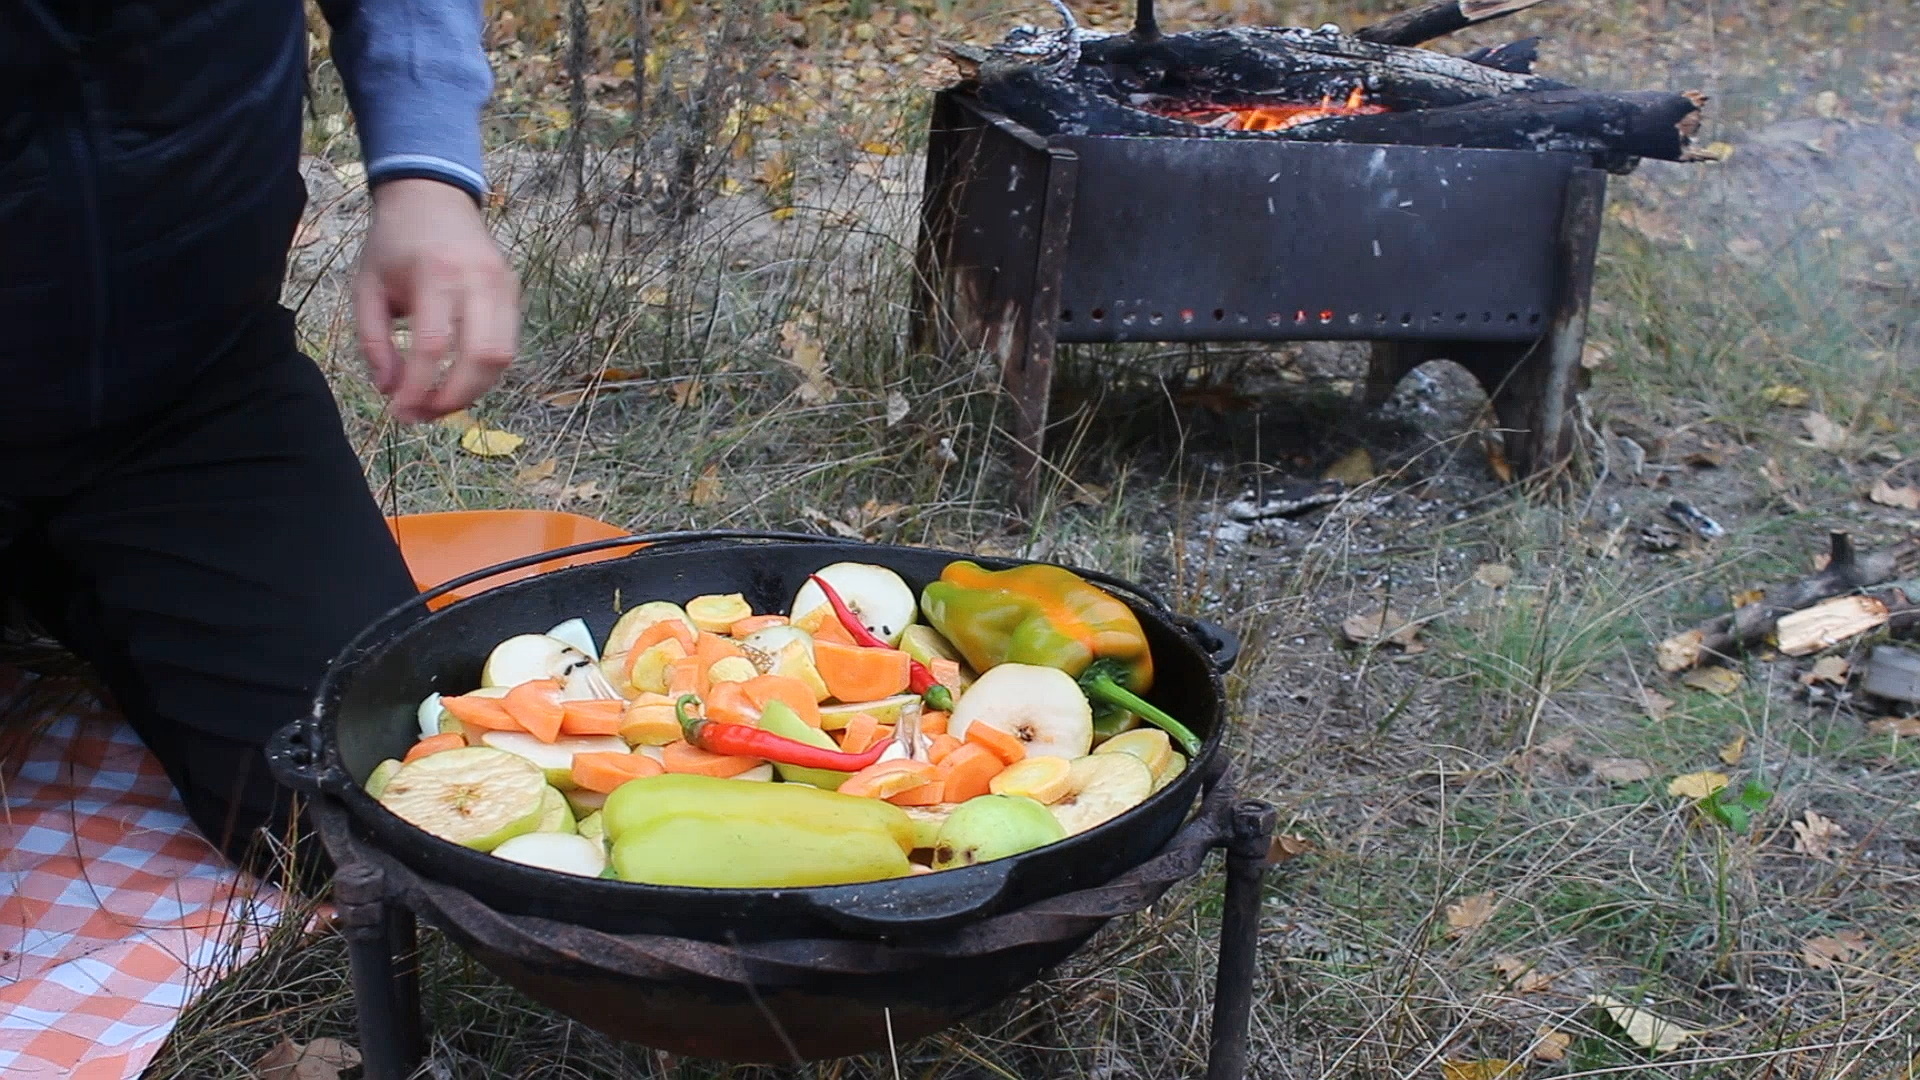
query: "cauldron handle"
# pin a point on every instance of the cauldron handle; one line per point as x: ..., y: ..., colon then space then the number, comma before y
x: 295, y: 762
x: 976, y: 889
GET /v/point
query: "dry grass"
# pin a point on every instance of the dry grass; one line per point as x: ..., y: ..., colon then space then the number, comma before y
x: 1423, y: 780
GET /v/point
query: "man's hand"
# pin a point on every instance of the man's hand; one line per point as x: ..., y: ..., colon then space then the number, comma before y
x: 429, y: 259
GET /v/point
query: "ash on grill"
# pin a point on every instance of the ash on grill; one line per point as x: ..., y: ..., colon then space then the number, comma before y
x: 1319, y: 85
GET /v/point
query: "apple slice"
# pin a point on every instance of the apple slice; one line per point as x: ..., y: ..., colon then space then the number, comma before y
x: 475, y: 796
x: 526, y: 657
x: 429, y: 715
x: 575, y: 633
x: 554, y: 758
x: 1041, y: 706
x: 585, y: 803
x: 383, y: 772
x: 884, y: 603
x: 564, y: 853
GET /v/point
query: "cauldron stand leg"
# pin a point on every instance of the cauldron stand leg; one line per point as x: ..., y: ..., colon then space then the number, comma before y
x: 383, y: 951
x: 1247, y: 845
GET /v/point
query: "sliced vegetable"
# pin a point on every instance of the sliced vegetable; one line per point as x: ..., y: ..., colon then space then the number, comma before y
x: 716, y: 613
x: 605, y: 771
x: 650, y: 721
x: 473, y: 796
x: 525, y: 657
x: 885, y: 711
x: 486, y: 713
x: 596, y: 717
x: 563, y: 853
x: 919, y: 679
x: 733, y: 669
x: 575, y: 633
x: 796, y: 695
x: 969, y: 772
x: 555, y: 759
x: 888, y: 778
x: 1042, y: 706
x: 685, y: 758
x: 752, y: 623
x: 883, y: 602
x: 648, y: 674
x: 432, y: 744
x: 1042, y: 779
x: 535, y: 705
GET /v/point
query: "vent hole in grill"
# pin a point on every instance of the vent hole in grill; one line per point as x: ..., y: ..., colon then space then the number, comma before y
x: 1533, y: 319
x: 1098, y: 314
x: 1128, y: 319
x: 1067, y: 315
x: 1461, y: 318
x: 1273, y: 318
x: 1406, y: 318
x: 1513, y: 316
x: 1219, y: 314
x: 1155, y: 318
x: 1486, y: 316
x: 1380, y: 317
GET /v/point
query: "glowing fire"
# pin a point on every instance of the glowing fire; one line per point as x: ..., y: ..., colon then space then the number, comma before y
x: 1274, y: 117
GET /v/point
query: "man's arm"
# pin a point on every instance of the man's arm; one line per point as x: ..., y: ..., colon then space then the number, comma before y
x: 417, y: 78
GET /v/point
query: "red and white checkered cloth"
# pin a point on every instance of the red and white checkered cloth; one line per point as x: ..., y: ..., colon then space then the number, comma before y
x: 114, y: 912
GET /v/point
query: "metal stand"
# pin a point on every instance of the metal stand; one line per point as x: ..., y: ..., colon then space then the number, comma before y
x: 382, y: 949
x: 1484, y: 257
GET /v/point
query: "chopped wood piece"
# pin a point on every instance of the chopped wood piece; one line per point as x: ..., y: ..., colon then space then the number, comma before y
x: 1438, y: 19
x: 1828, y: 623
x: 1845, y: 571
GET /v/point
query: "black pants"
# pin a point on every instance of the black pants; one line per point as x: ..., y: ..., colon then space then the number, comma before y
x: 209, y: 562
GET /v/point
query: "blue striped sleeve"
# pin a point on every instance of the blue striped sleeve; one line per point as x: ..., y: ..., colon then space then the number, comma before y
x: 417, y: 79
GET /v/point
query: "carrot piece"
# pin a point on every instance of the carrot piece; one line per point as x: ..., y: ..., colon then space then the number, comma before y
x: 661, y: 631
x: 856, y: 674
x: 861, y: 732
x: 933, y: 722
x: 602, y: 771
x: 884, y: 779
x: 921, y: 795
x: 480, y: 712
x: 796, y: 695
x: 591, y: 717
x: 945, y: 672
x: 729, y: 703
x: 943, y: 744
x: 832, y: 632
x: 754, y: 623
x: 535, y: 704
x: 968, y: 770
x: 712, y: 648
x: 686, y: 675
x: 1007, y: 747
x: 433, y: 744
x: 684, y: 757
x: 882, y: 734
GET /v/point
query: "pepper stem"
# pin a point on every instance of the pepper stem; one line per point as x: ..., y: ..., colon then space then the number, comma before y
x: 938, y: 698
x: 1099, y: 684
x: 689, y: 725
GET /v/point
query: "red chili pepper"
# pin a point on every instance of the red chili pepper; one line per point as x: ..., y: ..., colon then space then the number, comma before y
x: 739, y: 740
x: 920, y: 680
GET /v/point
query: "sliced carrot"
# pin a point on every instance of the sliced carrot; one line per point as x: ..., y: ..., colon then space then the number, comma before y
x: 592, y: 717
x: 729, y: 703
x: 754, y: 623
x: 943, y: 744
x: 790, y: 691
x: 831, y: 631
x: 856, y: 674
x: 480, y: 712
x: 712, y: 648
x: 1007, y: 747
x: 884, y: 779
x: 921, y: 795
x: 433, y: 744
x: 945, y: 672
x: 661, y: 631
x: 686, y: 675
x: 535, y: 705
x: 602, y: 771
x: 862, y: 731
x: 684, y: 757
x: 933, y: 722
x: 968, y: 771
x: 650, y: 720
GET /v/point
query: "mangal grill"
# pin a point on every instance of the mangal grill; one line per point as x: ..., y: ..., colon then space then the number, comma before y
x: 1102, y: 199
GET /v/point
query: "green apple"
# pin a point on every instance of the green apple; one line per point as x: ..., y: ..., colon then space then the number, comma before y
x: 988, y: 827
x: 383, y: 772
x: 558, y: 816
x: 475, y: 796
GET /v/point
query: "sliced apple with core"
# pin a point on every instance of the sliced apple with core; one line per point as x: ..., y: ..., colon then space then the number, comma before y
x: 1104, y: 787
x: 475, y: 796
x: 883, y: 602
x: 1043, y: 707
x: 575, y: 633
x: 383, y: 772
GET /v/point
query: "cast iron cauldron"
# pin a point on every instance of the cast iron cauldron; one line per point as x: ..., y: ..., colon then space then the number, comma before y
x: 365, y: 711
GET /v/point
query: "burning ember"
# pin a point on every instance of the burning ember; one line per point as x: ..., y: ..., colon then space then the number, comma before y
x: 1271, y: 117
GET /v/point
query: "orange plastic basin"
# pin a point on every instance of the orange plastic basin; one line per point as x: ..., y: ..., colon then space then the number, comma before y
x: 441, y: 547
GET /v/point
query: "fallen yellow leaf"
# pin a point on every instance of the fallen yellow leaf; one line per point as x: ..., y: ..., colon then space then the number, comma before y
x: 1466, y: 916
x: 489, y: 442
x: 1616, y: 770
x: 1824, y: 952
x: 1816, y: 835
x: 1697, y: 785
x: 1735, y: 750
x: 1654, y: 703
x: 1823, y: 433
x: 782, y: 213
x: 538, y: 471
x: 1494, y: 575
x: 1897, y: 726
x: 1553, y: 1045
x: 1828, y: 669
x: 1520, y: 975
x: 1385, y: 626
x: 707, y: 489
x: 459, y: 421
x: 1713, y: 680
x: 1651, y: 1032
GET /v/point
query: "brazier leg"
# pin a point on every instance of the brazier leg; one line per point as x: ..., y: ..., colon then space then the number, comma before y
x: 383, y: 953
x: 1253, y: 823
x: 1534, y: 393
